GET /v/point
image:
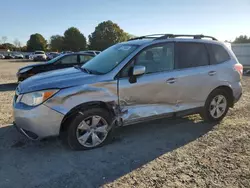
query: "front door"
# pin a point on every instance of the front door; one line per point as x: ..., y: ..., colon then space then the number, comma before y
x: 154, y: 94
x: 67, y: 61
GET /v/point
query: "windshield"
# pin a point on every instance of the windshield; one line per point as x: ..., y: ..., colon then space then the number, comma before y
x: 110, y: 58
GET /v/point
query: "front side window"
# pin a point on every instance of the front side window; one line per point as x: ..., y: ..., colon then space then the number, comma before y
x: 191, y: 55
x: 217, y: 54
x: 110, y: 58
x: 157, y: 58
x: 69, y: 59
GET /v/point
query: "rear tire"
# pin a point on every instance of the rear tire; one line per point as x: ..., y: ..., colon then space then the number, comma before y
x: 89, y: 129
x: 216, y: 106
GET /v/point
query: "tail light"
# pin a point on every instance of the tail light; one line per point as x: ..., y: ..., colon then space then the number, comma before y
x: 239, y: 68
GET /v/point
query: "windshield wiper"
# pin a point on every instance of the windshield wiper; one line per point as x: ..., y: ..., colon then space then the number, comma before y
x: 87, y: 70
x: 82, y: 69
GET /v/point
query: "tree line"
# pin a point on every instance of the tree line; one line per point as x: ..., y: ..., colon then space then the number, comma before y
x: 105, y: 34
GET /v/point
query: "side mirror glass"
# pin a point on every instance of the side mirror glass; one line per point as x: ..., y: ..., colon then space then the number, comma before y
x: 138, y: 70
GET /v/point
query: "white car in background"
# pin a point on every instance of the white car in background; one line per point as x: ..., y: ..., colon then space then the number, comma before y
x: 2, y: 56
x: 19, y: 56
x: 39, y: 56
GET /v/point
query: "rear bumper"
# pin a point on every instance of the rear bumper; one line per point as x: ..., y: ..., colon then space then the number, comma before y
x: 237, y: 91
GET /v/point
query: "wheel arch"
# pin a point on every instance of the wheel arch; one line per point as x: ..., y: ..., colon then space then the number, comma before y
x: 228, y: 90
x: 109, y: 106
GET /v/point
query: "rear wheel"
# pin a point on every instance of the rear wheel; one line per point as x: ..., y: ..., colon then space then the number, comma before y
x: 89, y: 129
x: 216, y: 106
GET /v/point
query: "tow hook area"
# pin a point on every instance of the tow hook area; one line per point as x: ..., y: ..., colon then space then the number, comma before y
x: 30, y: 135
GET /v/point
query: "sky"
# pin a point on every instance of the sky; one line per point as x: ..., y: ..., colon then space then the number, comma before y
x: 223, y: 19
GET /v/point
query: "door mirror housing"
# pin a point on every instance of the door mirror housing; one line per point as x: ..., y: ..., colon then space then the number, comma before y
x: 138, y: 70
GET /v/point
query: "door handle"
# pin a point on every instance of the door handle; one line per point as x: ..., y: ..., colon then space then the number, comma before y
x: 211, y: 73
x: 171, y: 80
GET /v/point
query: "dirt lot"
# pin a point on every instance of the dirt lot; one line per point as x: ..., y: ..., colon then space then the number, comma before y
x: 166, y: 153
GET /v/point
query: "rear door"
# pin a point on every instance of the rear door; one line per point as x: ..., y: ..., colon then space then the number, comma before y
x: 194, y: 76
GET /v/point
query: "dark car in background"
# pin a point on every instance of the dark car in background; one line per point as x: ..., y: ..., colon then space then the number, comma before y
x: 9, y: 56
x: 60, y: 62
x: 95, y: 52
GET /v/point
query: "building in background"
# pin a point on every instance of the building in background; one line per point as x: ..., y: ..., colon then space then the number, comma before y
x: 242, y: 52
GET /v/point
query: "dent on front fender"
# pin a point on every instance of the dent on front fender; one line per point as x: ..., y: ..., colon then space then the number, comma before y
x: 68, y: 98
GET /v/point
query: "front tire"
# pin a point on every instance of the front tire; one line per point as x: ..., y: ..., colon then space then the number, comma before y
x: 216, y: 106
x: 89, y: 129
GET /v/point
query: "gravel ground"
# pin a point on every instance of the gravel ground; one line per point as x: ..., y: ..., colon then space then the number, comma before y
x: 166, y: 153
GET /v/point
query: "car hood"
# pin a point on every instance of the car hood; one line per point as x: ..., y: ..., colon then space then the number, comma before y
x: 32, y: 65
x: 57, y: 79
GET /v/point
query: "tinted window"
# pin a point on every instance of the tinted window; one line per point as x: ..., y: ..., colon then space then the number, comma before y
x: 85, y: 58
x: 155, y: 59
x: 217, y: 54
x: 191, y: 55
x: 69, y: 59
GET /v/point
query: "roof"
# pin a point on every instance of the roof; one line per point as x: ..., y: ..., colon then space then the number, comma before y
x: 80, y: 53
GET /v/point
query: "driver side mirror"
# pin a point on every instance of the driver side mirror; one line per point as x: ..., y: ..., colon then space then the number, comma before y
x: 137, y: 70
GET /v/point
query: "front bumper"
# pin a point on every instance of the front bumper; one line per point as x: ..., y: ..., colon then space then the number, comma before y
x: 37, y: 122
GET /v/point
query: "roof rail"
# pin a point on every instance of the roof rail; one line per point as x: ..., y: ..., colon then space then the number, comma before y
x: 194, y: 36
x: 153, y: 36
x: 167, y: 36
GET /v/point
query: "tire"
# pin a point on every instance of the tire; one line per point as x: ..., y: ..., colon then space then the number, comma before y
x: 208, y: 109
x: 74, y: 132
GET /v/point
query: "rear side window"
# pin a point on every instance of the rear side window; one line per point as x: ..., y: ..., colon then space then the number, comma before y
x: 191, y: 55
x: 217, y: 54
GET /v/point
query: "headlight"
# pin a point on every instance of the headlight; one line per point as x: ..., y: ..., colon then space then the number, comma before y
x: 25, y: 69
x: 38, y: 97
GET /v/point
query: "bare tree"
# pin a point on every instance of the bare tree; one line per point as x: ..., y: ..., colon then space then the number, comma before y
x: 17, y: 43
x: 4, y: 39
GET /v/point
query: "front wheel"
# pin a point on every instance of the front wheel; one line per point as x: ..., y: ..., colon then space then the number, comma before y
x: 216, y: 106
x: 89, y: 129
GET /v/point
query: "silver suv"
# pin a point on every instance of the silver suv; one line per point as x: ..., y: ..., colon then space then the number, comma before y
x: 146, y: 78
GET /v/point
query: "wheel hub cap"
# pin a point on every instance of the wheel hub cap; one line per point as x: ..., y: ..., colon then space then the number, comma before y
x: 218, y: 106
x: 92, y: 131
